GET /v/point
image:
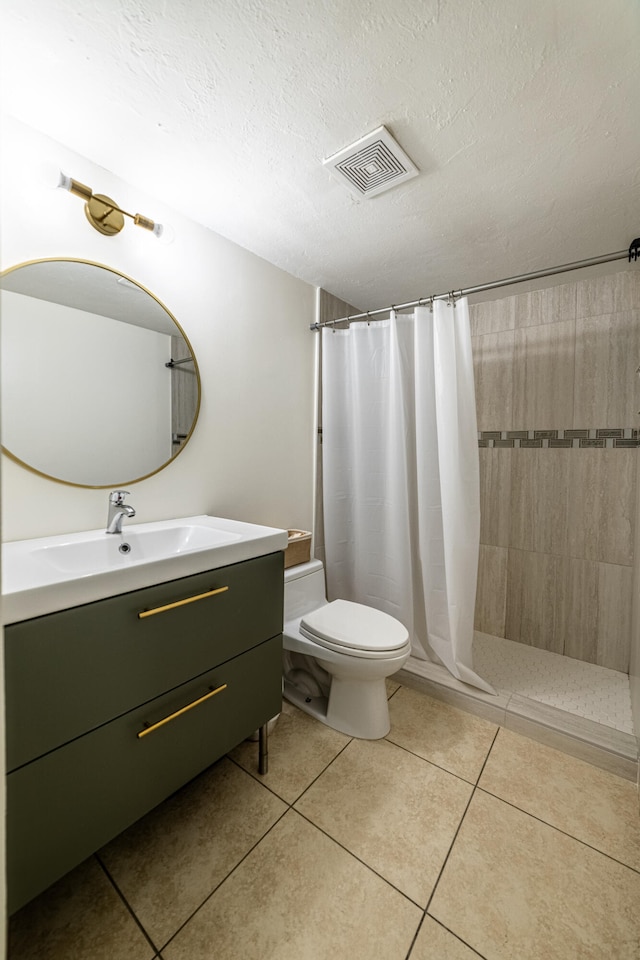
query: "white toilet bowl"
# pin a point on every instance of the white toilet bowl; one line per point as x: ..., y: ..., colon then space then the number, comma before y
x: 337, y: 655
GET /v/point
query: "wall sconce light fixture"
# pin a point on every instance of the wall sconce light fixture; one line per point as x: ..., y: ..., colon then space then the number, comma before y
x: 103, y: 213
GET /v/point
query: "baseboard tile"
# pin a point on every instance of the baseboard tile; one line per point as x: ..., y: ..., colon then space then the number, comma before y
x: 602, y: 746
x: 436, y: 681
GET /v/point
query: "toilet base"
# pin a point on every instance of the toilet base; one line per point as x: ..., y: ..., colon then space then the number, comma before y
x: 358, y: 708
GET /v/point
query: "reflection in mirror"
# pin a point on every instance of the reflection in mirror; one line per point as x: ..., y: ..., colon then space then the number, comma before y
x: 100, y: 386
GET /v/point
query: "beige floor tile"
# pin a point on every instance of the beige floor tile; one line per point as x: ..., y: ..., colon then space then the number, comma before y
x: 435, y: 731
x: 299, y: 896
x: 393, y: 810
x: 299, y: 750
x: 80, y: 917
x: 590, y: 804
x: 435, y: 943
x: 167, y: 863
x: 514, y: 887
x: 391, y: 686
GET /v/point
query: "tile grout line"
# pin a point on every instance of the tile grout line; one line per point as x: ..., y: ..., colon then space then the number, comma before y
x: 257, y: 777
x: 563, y: 556
x: 358, y: 859
x: 552, y: 826
x: 324, y: 769
x: 470, y: 783
x: 462, y: 818
x: 224, y: 879
x: 289, y: 807
x: 440, y: 924
x: 129, y: 908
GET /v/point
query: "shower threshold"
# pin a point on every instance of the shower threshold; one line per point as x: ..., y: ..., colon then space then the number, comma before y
x: 577, y: 707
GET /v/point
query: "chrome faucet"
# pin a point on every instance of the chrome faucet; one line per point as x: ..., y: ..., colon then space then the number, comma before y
x: 117, y: 510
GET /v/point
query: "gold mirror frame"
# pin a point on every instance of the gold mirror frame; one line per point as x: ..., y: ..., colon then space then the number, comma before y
x: 179, y: 331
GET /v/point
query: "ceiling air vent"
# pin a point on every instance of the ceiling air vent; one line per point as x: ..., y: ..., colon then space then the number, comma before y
x: 372, y: 164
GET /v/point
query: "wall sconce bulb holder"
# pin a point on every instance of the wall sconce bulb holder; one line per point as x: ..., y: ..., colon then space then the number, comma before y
x: 165, y: 233
x: 105, y: 215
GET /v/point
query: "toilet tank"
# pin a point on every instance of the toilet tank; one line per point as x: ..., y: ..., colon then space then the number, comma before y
x: 304, y: 589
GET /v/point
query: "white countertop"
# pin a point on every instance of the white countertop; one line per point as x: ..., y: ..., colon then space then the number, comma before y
x: 53, y: 573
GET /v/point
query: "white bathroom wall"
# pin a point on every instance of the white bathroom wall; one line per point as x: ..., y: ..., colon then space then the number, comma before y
x: 634, y: 668
x: 250, y: 456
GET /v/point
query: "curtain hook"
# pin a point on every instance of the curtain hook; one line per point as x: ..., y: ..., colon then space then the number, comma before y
x: 432, y: 300
x: 451, y: 299
x: 368, y: 318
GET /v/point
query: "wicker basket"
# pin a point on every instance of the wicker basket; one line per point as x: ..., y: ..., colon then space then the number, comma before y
x: 299, y: 548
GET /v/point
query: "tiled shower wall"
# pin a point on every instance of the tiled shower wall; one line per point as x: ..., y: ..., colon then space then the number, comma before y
x: 558, y: 396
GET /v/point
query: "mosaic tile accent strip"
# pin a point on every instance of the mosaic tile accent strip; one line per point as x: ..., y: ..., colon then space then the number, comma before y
x: 606, y: 438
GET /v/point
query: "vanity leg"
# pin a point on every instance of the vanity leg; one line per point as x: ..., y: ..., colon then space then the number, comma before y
x: 263, y: 749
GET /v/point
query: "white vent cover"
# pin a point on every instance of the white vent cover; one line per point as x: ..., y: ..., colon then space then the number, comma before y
x: 372, y: 164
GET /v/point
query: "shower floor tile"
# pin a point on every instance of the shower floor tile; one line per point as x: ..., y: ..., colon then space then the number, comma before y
x: 584, y: 689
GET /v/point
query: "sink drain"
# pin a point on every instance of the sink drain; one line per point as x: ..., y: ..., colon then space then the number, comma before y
x: 125, y: 548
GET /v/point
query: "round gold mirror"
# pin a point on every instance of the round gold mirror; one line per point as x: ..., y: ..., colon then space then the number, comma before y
x: 100, y: 385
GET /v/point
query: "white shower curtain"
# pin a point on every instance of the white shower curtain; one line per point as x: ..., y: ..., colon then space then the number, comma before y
x: 401, y: 476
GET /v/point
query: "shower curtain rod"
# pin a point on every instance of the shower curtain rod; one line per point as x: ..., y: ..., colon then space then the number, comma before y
x: 456, y: 294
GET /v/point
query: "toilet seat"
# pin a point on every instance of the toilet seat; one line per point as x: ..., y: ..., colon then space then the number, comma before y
x: 354, y: 630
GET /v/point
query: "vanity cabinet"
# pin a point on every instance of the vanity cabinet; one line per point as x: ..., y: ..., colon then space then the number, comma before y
x: 113, y: 705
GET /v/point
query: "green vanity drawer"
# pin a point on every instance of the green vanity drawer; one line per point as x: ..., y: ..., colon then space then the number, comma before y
x: 71, y: 671
x: 69, y: 803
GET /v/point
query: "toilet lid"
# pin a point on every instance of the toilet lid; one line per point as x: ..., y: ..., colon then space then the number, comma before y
x: 354, y: 626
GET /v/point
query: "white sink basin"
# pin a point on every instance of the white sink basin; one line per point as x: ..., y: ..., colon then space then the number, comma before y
x: 98, y: 552
x: 53, y: 573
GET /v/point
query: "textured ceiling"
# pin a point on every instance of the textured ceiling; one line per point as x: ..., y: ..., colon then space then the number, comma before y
x: 521, y: 117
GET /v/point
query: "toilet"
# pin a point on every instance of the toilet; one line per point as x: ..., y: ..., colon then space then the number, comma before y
x: 337, y: 655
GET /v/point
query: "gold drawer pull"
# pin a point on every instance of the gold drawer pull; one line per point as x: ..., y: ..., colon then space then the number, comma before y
x: 178, y: 713
x: 180, y: 603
